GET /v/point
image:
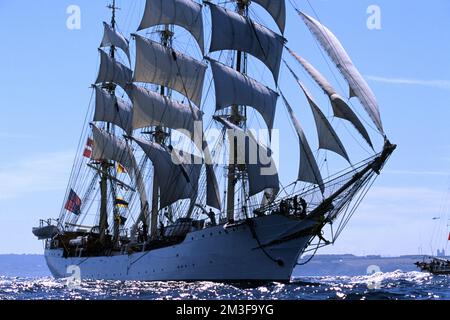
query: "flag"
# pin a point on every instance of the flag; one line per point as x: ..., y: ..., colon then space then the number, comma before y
x: 87, y: 153
x: 120, y: 168
x: 73, y: 203
x: 121, y: 203
x: 88, y: 150
x: 449, y: 236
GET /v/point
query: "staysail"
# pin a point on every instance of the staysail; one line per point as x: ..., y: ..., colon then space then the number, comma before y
x: 308, y: 170
x: 337, y: 53
x: 212, y: 186
x: 167, y: 67
x: 183, y: 13
x: 340, y: 107
x: 232, y: 31
x: 328, y: 138
x: 235, y: 88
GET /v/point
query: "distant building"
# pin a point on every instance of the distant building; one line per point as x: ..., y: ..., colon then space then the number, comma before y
x: 441, y: 253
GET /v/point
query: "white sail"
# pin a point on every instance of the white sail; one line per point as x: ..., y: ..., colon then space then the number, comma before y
x: 340, y: 107
x: 337, y: 53
x: 113, y: 71
x: 277, y: 9
x: 113, y: 38
x: 212, y: 188
x: 109, y: 108
x: 328, y: 139
x: 232, y: 31
x: 153, y: 109
x: 169, y: 68
x: 176, y: 181
x: 183, y: 13
x: 308, y: 170
x: 108, y: 147
x: 343, y: 111
x: 234, y: 88
x: 261, y: 169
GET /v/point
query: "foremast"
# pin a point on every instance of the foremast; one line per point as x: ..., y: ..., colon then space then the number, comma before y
x: 105, y: 165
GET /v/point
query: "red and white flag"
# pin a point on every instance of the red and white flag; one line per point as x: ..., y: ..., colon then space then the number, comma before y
x: 88, y: 150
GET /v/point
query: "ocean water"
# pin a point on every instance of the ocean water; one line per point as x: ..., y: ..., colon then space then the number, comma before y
x: 27, y: 278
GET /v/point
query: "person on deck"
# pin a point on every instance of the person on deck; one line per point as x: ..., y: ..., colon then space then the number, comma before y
x: 212, y: 217
x: 304, y: 206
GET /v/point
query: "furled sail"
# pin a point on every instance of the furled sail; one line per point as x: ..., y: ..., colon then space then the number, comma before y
x: 234, y: 88
x: 153, y: 109
x: 337, y: 53
x: 113, y: 71
x: 340, y: 107
x: 108, y: 147
x: 183, y: 13
x: 232, y: 31
x: 176, y: 181
x: 328, y: 139
x: 113, y: 38
x: 261, y: 169
x: 169, y: 68
x: 308, y: 171
x: 277, y: 9
x: 109, y: 108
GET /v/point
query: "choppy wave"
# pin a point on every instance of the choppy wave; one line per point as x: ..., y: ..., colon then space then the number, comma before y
x: 392, y: 285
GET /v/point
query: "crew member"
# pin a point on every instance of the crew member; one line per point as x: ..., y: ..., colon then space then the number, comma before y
x: 212, y: 217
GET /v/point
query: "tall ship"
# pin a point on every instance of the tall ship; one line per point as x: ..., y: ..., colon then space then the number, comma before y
x: 171, y: 180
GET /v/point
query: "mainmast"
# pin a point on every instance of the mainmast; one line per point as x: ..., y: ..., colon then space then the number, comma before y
x: 238, y: 119
x: 105, y: 166
x: 160, y: 136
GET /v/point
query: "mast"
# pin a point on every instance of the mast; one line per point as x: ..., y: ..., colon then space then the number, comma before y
x: 159, y: 136
x: 105, y: 166
x: 236, y: 118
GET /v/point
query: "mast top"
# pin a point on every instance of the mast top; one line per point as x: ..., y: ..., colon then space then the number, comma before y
x: 113, y: 8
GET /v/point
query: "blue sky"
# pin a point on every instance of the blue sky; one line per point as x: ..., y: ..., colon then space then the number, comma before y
x: 46, y: 70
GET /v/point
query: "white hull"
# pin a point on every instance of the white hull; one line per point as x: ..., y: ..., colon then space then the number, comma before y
x: 215, y: 254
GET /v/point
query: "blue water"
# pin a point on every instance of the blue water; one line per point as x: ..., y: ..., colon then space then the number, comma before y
x: 27, y: 278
